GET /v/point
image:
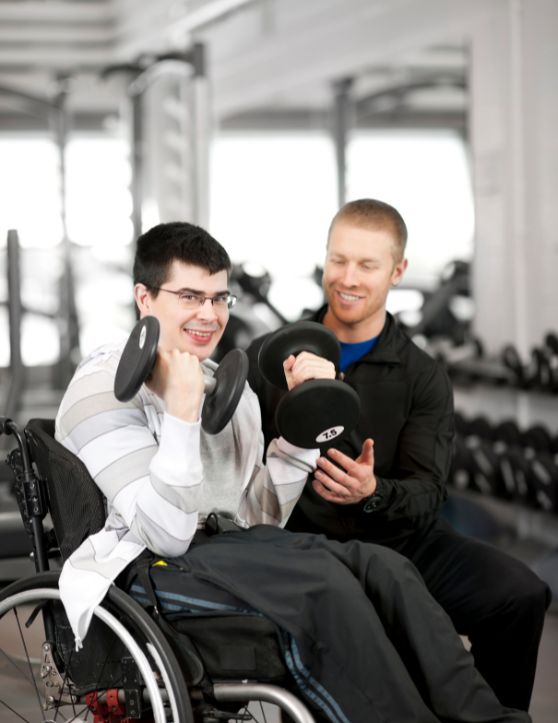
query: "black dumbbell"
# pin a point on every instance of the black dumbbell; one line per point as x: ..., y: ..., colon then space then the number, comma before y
x: 222, y: 392
x: 537, y: 438
x: 512, y: 361
x: 507, y: 441
x: 537, y: 444
x: 474, y: 464
x: 484, y: 460
x: 319, y: 410
x: 551, y: 342
x: 508, y: 433
x: 535, y: 374
x: 516, y: 466
x: 544, y: 480
x: 550, y: 349
x: 461, y: 465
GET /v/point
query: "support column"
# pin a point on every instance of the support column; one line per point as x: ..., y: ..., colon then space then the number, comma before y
x: 342, y: 124
x: 514, y: 109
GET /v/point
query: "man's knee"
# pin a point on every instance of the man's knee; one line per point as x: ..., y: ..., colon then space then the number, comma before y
x: 524, y: 587
x: 519, y: 594
x: 533, y: 595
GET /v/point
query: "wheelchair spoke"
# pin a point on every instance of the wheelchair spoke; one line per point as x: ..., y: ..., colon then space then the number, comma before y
x: 23, y: 634
x: 126, y: 650
x: 27, y: 657
x: 26, y: 720
x: 76, y: 715
x: 13, y: 663
x: 263, y: 712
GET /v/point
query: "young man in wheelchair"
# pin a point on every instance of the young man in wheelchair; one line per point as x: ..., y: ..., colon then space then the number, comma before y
x: 362, y: 637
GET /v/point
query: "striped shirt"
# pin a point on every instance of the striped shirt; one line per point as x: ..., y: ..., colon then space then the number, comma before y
x: 162, y: 476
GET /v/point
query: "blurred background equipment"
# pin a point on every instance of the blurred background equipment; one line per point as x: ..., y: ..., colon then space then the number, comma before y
x: 52, y: 115
x: 170, y: 126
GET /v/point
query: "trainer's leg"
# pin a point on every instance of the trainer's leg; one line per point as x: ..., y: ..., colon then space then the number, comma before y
x: 493, y: 599
x: 423, y: 634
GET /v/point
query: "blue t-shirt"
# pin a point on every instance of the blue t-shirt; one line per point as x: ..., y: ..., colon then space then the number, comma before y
x: 352, y: 352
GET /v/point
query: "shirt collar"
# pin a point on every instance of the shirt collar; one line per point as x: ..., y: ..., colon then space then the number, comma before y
x: 386, y: 350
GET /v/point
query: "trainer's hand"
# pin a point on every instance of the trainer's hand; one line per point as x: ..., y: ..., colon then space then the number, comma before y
x: 307, y: 366
x: 178, y: 379
x: 350, y: 484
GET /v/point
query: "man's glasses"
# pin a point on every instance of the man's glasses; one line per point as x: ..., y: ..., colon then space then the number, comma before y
x: 192, y: 300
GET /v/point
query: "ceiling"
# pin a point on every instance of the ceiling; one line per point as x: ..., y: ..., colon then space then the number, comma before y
x: 59, y: 48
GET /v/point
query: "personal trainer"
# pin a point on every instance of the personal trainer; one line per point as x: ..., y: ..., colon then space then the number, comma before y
x: 364, y: 640
x: 389, y: 486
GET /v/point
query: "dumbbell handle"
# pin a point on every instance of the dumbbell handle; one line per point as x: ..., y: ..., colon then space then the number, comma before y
x: 209, y: 385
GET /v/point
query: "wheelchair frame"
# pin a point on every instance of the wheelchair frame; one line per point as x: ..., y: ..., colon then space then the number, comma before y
x: 150, y: 684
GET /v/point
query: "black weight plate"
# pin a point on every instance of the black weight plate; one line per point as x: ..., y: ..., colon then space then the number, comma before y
x: 480, y: 427
x: 293, y: 339
x: 544, y: 475
x: 508, y: 432
x: 138, y: 358
x: 512, y: 361
x: 551, y: 342
x: 515, y: 471
x: 316, y: 412
x: 538, y: 438
x: 461, y: 465
x: 230, y: 379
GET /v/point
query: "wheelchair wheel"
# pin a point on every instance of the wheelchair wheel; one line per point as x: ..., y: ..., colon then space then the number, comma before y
x: 126, y: 669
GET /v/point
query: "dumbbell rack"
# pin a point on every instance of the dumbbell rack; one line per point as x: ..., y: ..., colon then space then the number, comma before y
x: 512, y: 472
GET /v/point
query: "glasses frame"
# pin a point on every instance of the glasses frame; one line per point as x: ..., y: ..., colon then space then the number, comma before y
x: 201, y: 297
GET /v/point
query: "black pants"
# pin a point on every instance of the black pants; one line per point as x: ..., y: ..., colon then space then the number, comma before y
x: 493, y: 599
x: 369, y: 644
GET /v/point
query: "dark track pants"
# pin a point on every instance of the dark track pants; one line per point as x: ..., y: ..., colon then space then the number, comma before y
x: 370, y: 644
x: 493, y: 599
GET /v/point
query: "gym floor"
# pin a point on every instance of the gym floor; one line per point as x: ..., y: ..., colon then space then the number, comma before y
x: 544, y: 708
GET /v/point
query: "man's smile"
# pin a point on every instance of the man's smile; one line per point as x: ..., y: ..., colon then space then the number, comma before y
x: 200, y: 336
x: 347, y: 298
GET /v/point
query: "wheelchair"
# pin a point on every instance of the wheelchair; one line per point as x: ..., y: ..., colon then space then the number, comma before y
x: 134, y: 665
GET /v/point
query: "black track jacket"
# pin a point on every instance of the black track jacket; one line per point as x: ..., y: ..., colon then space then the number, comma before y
x: 407, y: 409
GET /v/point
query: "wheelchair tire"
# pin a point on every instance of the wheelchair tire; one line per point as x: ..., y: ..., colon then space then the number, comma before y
x: 42, y: 691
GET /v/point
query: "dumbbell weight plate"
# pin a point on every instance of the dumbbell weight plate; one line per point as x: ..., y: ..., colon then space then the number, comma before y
x: 516, y: 476
x: 538, y: 438
x: 461, y: 465
x: 316, y: 412
x: 551, y: 342
x: 480, y: 427
x: 230, y: 379
x: 507, y: 431
x: 544, y: 477
x: 138, y: 359
x: 293, y: 339
x: 512, y: 361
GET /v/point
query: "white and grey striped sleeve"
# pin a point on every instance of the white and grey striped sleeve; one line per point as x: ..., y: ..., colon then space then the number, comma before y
x: 271, y: 491
x: 153, y: 487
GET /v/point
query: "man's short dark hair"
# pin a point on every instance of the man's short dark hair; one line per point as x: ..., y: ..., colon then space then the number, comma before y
x: 370, y: 213
x: 157, y: 248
